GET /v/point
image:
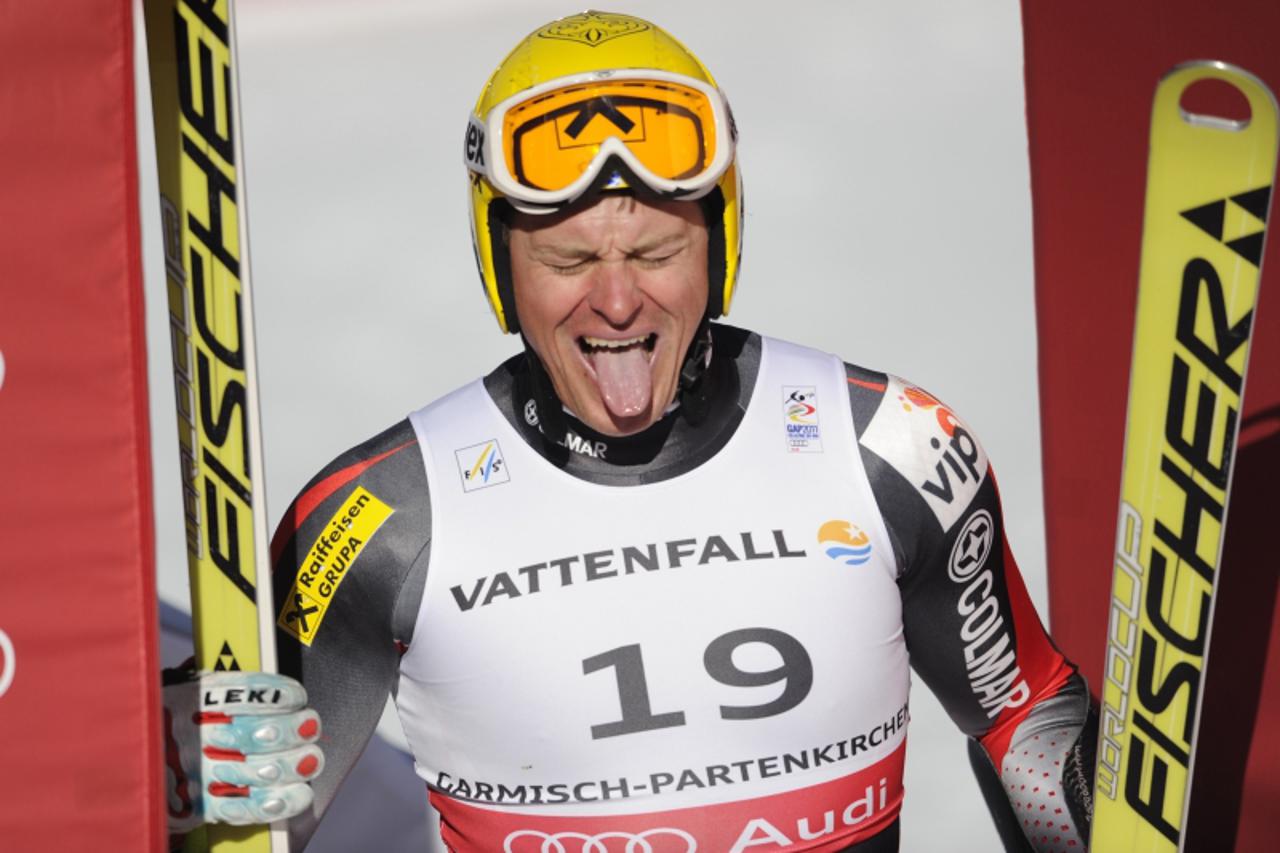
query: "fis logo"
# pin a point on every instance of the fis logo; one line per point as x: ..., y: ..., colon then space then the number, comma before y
x: 845, y: 542
x: 930, y: 446
x: 800, y: 417
x: 481, y: 465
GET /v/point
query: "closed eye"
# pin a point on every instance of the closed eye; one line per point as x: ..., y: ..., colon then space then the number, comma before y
x: 570, y: 268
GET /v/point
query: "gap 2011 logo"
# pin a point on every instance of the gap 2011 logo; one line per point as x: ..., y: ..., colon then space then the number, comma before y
x: 800, y: 418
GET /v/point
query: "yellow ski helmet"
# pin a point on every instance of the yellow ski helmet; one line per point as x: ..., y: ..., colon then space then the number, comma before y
x: 593, y: 102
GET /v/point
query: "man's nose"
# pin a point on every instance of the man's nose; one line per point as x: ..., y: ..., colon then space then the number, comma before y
x: 614, y: 294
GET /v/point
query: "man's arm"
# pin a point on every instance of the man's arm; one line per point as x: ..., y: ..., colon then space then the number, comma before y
x: 972, y: 632
x: 349, y: 561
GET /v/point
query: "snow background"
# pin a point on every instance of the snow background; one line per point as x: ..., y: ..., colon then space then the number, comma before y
x: 888, y: 214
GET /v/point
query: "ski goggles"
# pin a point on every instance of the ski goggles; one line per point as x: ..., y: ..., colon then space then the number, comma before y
x: 544, y: 147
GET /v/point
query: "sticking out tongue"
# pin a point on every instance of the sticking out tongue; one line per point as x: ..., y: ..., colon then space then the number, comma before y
x: 624, y: 379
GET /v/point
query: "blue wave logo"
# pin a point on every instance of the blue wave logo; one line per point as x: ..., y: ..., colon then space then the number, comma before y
x: 845, y: 542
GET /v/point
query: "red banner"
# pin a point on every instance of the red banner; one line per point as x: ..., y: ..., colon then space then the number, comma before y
x: 1091, y: 71
x: 821, y: 818
x: 79, y: 699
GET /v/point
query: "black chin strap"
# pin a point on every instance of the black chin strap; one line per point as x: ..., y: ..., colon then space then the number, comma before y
x: 551, y: 419
x: 694, y: 394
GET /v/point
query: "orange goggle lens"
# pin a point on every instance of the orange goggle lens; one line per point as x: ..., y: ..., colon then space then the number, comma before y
x: 550, y: 140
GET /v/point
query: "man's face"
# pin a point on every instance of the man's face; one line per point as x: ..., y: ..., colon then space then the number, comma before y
x: 609, y: 297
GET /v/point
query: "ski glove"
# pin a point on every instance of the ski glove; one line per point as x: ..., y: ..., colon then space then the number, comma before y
x: 240, y: 748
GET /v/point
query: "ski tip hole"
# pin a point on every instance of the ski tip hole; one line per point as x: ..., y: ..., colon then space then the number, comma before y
x: 1210, y: 102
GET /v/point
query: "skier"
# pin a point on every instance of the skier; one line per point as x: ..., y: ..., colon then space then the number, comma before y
x: 651, y: 584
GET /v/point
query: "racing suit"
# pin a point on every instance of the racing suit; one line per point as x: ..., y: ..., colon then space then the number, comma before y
x: 693, y: 638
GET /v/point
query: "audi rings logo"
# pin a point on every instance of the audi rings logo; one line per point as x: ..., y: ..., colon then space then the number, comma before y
x: 580, y: 842
x: 972, y: 547
x: 7, y: 662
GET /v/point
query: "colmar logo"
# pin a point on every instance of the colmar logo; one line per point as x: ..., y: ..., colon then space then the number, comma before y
x: 969, y: 554
x: 481, y: 465
x: 930, y: 446
x: 572, y: 441
x: 991, y: 662
x: 845, y: 542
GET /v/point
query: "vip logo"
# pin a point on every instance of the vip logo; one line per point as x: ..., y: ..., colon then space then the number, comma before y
x: 930, y: 446
x: 972, y: 547
x: 481, y: 465
x: 959, y: 456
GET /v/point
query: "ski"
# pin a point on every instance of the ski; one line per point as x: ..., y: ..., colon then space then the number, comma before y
x: 1209, y: 183
x: 190, y: 54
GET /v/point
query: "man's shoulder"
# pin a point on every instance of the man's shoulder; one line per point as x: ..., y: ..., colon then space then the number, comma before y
x: 921, y: 459
x: 866, y: 387
x: 920, y: 438
x: 380, y: 448
x: 386, y: 467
